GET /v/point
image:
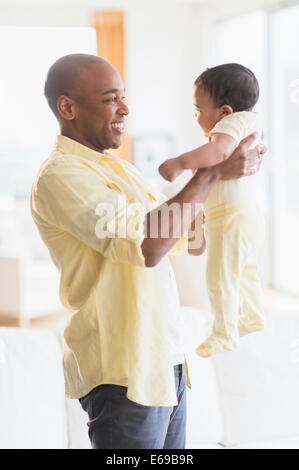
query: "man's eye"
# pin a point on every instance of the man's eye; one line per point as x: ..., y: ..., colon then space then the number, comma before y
x: 114, y: 99
x: 111, y: 100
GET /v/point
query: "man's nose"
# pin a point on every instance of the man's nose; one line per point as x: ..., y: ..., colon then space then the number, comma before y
x: 123, y: 109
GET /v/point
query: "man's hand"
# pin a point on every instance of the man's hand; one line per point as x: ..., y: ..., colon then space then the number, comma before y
x: 243, y: 162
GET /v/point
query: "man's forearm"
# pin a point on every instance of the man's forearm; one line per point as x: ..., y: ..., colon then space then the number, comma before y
x: 167, y: 223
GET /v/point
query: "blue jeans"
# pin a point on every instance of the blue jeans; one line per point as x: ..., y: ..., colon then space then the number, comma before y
x: 115, y: 422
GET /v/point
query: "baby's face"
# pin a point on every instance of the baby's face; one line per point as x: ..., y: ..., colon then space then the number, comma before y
x: 207, y: 115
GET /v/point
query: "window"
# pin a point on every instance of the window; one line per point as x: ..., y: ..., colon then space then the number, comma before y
x: 272, y: 53
x: 26, y: 122
x: 284, y: 36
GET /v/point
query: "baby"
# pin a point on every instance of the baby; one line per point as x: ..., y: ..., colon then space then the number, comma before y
x: 224, y: 97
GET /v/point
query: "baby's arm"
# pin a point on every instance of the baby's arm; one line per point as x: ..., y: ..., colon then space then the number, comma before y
x: 220, y: 147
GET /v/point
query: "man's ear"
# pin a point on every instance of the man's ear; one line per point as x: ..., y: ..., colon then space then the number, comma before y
x: 66, y: 107
x: 226, y: 110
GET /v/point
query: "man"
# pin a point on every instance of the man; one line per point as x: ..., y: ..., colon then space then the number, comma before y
x: 123, y: 356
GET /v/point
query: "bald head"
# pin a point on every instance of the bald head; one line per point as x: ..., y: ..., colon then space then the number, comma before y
x: 86, y: 94
x: 67, y: 76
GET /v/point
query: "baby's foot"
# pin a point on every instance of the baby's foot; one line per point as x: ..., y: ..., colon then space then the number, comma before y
x: 216, y: 344
x: 246, y: 326
x: 170, y: 169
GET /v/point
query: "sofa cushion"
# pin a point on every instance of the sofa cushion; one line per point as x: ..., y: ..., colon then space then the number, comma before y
x: 259, y: 383
x: 32, y: 402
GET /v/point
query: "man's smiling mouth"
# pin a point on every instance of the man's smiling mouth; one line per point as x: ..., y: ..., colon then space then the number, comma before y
x: 118, y: 126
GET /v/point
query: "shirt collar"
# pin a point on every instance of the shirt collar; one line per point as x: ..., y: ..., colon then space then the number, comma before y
x: 66, y: 145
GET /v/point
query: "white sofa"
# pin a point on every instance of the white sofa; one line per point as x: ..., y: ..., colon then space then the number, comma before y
x: 244, y: 399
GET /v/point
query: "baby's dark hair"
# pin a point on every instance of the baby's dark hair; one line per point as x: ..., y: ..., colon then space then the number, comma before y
x: 230, y: 84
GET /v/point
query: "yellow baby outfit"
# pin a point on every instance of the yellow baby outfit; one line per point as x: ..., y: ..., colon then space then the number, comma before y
x: 234, y: 231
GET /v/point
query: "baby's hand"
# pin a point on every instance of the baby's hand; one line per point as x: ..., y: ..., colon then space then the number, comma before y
x: 170, y: 169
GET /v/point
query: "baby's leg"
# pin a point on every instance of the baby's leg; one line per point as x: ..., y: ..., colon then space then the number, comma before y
x: 251, y: 318
x: 225, y: 261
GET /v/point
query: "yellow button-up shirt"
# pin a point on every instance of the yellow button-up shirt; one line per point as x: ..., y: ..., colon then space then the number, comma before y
x: 117, y: 330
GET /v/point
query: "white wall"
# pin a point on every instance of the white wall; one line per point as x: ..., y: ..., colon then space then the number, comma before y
x: 168, y: 44
x: 162, y: 58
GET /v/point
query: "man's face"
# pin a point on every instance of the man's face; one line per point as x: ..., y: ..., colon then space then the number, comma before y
x: 206, y: 114
x: 100, y: 107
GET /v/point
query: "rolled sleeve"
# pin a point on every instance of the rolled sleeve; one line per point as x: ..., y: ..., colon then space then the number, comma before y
x: 78, y: 200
